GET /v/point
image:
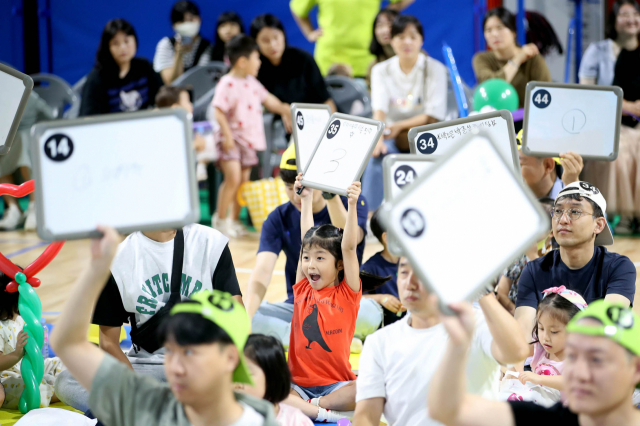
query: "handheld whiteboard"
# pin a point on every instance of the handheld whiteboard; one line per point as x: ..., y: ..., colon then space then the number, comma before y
x: 467, y: 201
x: 15, y: 88
x: 132, y: 171
x: 581, y: 118
x: 398, y: 172
x: 309, y: 120
x: 436, y: 139
x: 339, y: 159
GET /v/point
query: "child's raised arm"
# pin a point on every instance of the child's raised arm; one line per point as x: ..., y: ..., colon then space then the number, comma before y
x: 274, y: 105
x: 350, y: 240
x: 306, y: 216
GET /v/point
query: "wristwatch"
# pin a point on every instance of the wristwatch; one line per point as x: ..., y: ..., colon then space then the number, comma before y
x: 327, y: 195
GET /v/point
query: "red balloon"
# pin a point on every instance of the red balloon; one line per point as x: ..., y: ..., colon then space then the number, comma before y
x: 43, y: 260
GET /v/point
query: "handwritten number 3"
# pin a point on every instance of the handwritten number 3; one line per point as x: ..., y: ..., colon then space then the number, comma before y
x: 336, y: 154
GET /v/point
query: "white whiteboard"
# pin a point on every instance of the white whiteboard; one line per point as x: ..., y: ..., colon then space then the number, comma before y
x: 309, y: 121
x: 572, y: 117
x: 452, y: 212
x: 132, y: 171
x: 15, y: 89
x: 437, y: 139
x: 343, y: 153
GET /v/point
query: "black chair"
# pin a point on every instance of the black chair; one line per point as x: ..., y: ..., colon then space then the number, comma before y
x: 349, y: 96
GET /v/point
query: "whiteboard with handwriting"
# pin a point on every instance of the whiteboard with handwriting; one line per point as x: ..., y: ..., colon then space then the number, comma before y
x: 343, y: 153
x: 309, y: 120
x: 15, y: 88
x: 425, y: 220
x: 436, y: 139
x: 132, y: 171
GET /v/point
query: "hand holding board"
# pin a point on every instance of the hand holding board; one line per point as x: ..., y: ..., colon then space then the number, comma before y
x: 467, y: 200
x: 584, y: 119
x: 15, y: 88
x: 339, y: 159
x: 132, y: 171
x: 437, y: 139
x: 309, y: 121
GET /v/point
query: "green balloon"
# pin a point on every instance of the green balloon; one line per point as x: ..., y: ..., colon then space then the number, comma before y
x: 496, y: 93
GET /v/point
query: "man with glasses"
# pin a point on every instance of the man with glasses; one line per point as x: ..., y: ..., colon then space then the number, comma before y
x: 581, y: 263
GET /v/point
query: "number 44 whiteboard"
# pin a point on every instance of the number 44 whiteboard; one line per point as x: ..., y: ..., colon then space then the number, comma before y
x: 342, y: 154
x: 132, y: 171
x: 466, y: 201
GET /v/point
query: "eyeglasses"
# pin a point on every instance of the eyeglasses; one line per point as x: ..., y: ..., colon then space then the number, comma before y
x: 573, y: 214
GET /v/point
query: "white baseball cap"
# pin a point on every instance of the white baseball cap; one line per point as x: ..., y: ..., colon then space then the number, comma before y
x: 586, y: 190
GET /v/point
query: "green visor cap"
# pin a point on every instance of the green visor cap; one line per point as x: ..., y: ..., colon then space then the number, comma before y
x: 619, y: 324
x: 220, y: 308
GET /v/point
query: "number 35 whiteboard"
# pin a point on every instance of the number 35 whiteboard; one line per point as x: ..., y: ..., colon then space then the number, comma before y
x: 438, y: 138
x: 342, y: 154
x: 132, y: 171
x: 309, y: 121
x: 468, y: 199
x: 572, y: 117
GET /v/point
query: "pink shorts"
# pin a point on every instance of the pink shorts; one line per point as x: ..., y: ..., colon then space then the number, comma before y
x: 245, y: 155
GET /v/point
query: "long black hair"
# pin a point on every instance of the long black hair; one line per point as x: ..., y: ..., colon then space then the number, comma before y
x: 507, y: 18
x: 401, y: 22
x: 268, y: 354
x: 613, y: 16
x: 558, y: 307
x: 329, y: 238
x: 217, y: 52
x: 376, y: 48
x: 8, y: 301
x: 104, y: 58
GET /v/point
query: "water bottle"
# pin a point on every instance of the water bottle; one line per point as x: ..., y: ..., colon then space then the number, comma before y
x: 45, y: 344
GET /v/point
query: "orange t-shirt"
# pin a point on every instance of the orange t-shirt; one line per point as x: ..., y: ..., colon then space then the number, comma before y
x: 321, y: 332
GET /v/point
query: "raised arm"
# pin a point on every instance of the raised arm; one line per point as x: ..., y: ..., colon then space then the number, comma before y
x: 306, y: 216
x: 350, y: 239
x: 447, y: 399
x: 338, y: 215
x: 69, y: 338
x: 509, y: 345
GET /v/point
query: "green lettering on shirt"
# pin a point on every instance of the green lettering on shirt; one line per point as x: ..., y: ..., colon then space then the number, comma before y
x: 152, y: 303
x: 143, y: 311
x: 196, y: 287
x: 156, y: 281
x: 153, y: 293
x: 186, y: 281
x: 165, y: 283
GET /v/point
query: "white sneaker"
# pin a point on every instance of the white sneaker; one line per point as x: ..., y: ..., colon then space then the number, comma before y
x: 201, y: 172
x: 12, y: 218
x: 239, y: 228
x: 223, y: 225
x: 331, y: 416
x: 30, y: 217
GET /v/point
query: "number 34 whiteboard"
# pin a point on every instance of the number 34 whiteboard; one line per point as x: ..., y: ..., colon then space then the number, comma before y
x: 132, y: 171
x: 468, y: 199
x: 342, y: 154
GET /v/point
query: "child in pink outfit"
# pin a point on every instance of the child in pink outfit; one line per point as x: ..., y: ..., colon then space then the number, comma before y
x: 238, y: 110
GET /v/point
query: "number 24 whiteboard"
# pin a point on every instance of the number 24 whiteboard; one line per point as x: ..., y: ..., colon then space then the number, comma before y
x: 343, y: 153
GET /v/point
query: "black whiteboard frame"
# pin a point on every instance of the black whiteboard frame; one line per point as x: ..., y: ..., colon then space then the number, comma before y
x: 295, y: 107
x: 533, y: 85
x: 28, y: 87
x: 503, y: 114
x: 416, y: 259
x: 336, y: 115
x: 36, y: 154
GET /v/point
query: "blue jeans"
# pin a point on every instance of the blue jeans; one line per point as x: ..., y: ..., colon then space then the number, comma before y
x: 274, y: 319
x: 372, y: 177
x: 317, y: 391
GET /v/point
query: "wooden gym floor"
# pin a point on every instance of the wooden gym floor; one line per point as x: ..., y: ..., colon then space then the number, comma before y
x: 57, y: 278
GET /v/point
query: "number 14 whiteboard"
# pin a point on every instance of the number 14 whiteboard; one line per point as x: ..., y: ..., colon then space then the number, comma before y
x: 342, y: 154
x: 132, y: 171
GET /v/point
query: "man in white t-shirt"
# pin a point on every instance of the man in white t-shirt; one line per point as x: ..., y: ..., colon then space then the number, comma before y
x: 398, y: 361
x: 140, y: 285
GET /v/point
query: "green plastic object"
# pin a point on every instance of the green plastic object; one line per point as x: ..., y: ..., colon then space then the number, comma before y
x: 32, y: 366
x: 496, y: 93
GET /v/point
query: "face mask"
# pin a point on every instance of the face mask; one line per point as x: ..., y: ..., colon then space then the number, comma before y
x: 187, y: 29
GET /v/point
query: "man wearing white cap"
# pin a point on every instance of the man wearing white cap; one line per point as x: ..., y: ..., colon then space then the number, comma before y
x: 582, y: 263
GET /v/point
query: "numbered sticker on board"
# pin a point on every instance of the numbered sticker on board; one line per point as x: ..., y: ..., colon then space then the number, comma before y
x: 542, y: 98
x: 404, y: 175
x: 300, y: 120
x: 333, y: 129
x: 413, y: 223
x: 58, y: 147
x: 427, y: 143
